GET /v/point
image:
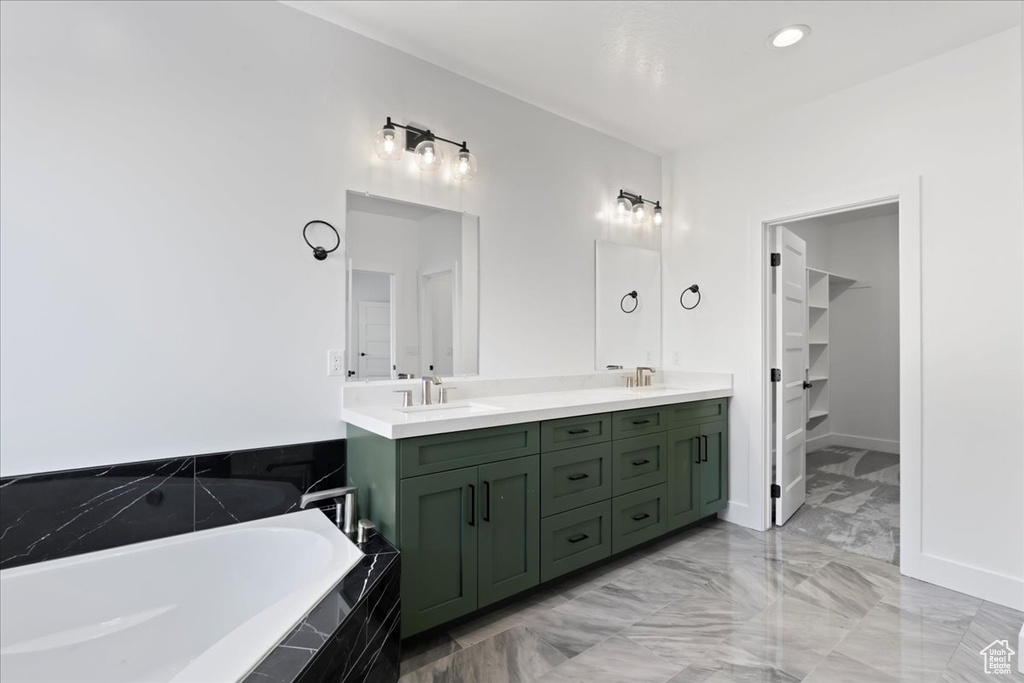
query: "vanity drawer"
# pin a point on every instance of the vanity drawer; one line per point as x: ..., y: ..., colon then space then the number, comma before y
x: 574, y: 539
x: 441, y: 452
x: 698, y: 412
x: 575, y: 431
x: 636, y: 422
x: 575, y: 477
x: 639, y: 462
x: 638, y: 517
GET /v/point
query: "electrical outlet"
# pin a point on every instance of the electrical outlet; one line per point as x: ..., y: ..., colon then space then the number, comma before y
x: 335, y: 362
x: 677, y: 358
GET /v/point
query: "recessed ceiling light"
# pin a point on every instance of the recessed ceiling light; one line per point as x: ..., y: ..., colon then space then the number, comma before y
x: 791, y: 35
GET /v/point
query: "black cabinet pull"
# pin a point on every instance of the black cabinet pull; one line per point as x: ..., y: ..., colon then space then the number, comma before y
x: 641, y: 461
x: 705, y: 458
x: 574, y: 432
x: 698, y: 449
x: 638, y: 517
x: 487, y: 501
x: 578, y: 537
x: 472, y: 505
x: 578, y: 476
x: 641, y: 422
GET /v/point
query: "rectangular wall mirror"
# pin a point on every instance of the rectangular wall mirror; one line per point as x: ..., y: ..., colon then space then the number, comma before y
x: 413, y: 290
x: 628, y: 327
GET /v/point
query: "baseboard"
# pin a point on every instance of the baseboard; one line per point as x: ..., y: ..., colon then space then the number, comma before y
x: 865, y: 442
x: 980, y: 583
x: 823, y: 441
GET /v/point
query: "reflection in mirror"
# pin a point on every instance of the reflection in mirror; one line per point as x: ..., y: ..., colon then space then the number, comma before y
x: 628, y: 327
x: 413, y: 297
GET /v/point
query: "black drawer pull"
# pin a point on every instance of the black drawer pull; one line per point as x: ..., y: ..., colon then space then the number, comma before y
x: 641, y: 422
x: 698, y: 449
x: 472, y: 505
x: 578, y: 476
x: 578, y: 537
x: 639, y: 516
x: 705, y: 458
x: 574, y: 432
x: 641, y: 461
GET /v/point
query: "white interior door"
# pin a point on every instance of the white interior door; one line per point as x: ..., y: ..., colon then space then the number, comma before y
x: 790, y: 412
x: 374, y: 340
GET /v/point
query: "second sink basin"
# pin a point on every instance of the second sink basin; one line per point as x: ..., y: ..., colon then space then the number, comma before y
x: 448, y: 408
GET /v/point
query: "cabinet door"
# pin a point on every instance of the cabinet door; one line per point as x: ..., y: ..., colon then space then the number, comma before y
x: 684, y: 453
x: 509, y: 552
x: 714, y: 467
x: 439, y: 522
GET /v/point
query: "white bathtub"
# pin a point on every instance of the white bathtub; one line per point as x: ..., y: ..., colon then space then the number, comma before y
x: 203, y: 607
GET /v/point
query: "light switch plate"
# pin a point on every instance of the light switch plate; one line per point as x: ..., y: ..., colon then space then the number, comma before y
x: 335, y: 362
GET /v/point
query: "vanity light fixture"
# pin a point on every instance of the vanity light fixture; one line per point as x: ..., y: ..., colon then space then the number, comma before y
x: 790, y: 35
x: 628, y: 203
x: 424, y: 144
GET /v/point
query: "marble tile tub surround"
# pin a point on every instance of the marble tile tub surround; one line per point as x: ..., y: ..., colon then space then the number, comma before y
x: 371, y: 405
x: 720, y: 603
x: 352, y: 635
x: 56, y: 514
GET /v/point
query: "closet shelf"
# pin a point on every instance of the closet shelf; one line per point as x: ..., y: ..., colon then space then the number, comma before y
x: 816, y: 414
x: 818, y: 308
x: 818, y: 343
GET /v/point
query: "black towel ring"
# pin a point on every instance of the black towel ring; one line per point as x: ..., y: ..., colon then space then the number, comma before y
x: 622, y: 301
x: 696, y: 290
x: 319, y: 253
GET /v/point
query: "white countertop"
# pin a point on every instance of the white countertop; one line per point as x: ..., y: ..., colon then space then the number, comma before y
x: 495, y: 411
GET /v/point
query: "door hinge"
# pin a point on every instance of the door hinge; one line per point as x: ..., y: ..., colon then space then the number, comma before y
x: 776, y: 375
x: 776, y: 259
x: 776, y: 491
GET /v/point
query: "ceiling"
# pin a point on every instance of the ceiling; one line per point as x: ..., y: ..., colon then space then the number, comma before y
x: 664, y: 75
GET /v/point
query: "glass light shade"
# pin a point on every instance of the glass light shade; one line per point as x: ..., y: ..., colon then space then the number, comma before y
x: 387, y: 145
x: 639, y: 213
x: 658, y: 218
x: 464, y: 165
x: 623, y: 207
x: 429, y: 155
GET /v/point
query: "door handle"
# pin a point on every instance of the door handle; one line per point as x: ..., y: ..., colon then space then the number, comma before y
x: 472, y: 505
x: 698, y: 449
x: 641, y: 461
x: 361, y: 353
x: 807, y: 385
x: 705, y: 458
x: 574, y: 432
x: 641, y: 422
x: 578, y: 476
x: 487, y: 501
x: 638, y: 517
x: 577, y: 538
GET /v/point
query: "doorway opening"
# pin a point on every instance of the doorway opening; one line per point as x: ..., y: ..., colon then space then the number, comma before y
x: 438, y: 302
x: 833, y: 340
x: 372, y: 294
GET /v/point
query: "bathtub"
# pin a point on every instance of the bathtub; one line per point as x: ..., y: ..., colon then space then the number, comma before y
x: 203, y: 607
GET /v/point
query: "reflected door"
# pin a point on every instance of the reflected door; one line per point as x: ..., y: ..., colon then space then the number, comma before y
x: 374, y: 340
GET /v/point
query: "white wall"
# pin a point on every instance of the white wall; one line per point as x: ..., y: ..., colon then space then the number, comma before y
x: 955, y: 120
x: 864, y: 325
x: 158, y: 161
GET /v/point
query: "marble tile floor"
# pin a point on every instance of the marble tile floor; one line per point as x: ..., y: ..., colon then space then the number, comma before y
x: 720, y: 603
x: 853, y: 502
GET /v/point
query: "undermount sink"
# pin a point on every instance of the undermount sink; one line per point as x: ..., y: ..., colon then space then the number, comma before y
x: 459, y: 407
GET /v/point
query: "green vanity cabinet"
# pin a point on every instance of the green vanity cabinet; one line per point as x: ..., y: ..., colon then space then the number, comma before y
x: 508, y: 559
x: 484, y: 514
x: 714, y: 467
x: 469, y: 537
x: 684, y: 455
x: 439, y: 548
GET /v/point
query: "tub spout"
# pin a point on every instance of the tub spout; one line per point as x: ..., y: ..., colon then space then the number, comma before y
x: 345, y: 505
